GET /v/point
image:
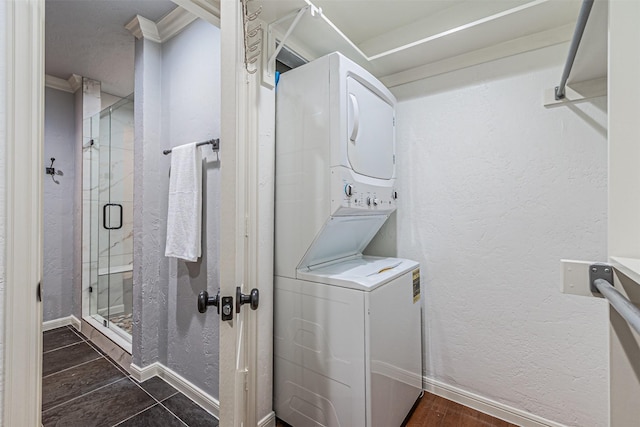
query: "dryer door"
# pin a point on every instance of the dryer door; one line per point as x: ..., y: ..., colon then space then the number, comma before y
x: 370, y: 132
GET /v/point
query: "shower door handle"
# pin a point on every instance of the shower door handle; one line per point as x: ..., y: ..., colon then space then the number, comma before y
x: 107, y: 208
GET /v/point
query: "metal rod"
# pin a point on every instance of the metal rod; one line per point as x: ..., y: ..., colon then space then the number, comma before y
x: 214, y: 142
x: 583, y: 17
x: 623, y: 306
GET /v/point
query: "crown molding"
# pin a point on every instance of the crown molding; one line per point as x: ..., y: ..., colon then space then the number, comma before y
x: 165, y: 29
x: 70, y: 85
x: 172, y: 24
x: 75, y: 82
x: 57, y: 83
x: 142, y: 27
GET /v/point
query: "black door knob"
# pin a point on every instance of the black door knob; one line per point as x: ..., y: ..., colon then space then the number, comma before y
x: 204, y: 301
x: 253, y: 299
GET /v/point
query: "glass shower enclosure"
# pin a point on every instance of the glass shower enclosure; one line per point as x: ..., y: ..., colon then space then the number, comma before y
x: 110, y: 209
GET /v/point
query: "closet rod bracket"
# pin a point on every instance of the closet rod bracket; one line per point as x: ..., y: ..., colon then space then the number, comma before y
x: 599, y: 271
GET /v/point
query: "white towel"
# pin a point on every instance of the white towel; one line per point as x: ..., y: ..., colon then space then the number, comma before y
x: 184, y: 219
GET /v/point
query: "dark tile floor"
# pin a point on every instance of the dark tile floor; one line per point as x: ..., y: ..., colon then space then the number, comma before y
x: 82, y: 387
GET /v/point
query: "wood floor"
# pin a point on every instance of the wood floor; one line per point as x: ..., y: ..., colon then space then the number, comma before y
x: 436, y: 411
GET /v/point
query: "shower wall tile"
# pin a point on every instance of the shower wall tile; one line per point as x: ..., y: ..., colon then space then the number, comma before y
x: 110, y: 294
x: 122, y: 127
x: 116, y: 176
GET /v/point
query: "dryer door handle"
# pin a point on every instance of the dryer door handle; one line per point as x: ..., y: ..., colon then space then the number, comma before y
x: 355, y: 124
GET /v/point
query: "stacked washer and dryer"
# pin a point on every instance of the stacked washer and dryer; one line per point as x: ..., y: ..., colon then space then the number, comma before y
x: 347, y: 327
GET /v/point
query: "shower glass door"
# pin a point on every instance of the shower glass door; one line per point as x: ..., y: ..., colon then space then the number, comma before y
x: 111, y: 301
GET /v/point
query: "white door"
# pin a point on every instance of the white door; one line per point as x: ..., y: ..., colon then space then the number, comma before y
x: 239, y: 257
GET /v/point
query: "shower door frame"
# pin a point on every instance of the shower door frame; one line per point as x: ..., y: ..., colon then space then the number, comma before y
x: 91, y: 300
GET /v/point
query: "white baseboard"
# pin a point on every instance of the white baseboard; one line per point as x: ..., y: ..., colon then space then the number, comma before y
x: 268, y: 421
x: 63, y: 321
x: 193, y: 392
x: 143, y: 374
x: 486, y: 405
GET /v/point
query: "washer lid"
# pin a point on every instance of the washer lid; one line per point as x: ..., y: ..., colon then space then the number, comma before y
x: 340, y: 237
x: 362, y: 272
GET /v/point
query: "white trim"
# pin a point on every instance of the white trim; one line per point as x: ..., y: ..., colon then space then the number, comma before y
x: 62, y: 321
x: 268, y: 421
x: 480, y: 56
x: 75, y: 82
x: 176, y: 21
x: 486, y: 405
x: 22, y: 142
x: 72, y: 84
x: 193, y: 392
x: 57, y: 83
x: 143, y: 374
x: 142, y: 27
x: 165, y: 29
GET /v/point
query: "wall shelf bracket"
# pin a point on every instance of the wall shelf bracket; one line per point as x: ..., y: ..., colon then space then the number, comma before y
x: 269, y: 70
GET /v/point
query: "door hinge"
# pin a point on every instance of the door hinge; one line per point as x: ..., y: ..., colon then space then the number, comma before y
x: 90, y: 289
x: 39, y: 292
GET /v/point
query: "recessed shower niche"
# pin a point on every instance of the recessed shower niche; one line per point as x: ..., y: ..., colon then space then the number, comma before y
x: 108, y: 215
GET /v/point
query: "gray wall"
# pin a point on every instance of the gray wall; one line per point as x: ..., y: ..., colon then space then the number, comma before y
x: 191, y: 112
x: 59, y: 205
x: 182, y: 76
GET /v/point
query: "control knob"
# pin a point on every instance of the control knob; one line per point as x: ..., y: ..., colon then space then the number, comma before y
x: 375, y: 201
x: 348, y: 190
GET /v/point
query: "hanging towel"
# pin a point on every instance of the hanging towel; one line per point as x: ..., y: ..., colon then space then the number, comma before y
x: 184, y: 219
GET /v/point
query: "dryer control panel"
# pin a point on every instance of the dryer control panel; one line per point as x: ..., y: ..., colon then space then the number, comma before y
x: 356, y: 194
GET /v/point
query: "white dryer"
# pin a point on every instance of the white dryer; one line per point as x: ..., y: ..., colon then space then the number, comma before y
x: 347, y: 330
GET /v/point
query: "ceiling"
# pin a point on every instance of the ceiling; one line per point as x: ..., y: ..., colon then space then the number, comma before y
x: 390, y: 38
x: 88, y: 38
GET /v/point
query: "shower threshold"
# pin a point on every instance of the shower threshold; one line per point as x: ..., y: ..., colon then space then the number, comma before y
x: 118, y: 336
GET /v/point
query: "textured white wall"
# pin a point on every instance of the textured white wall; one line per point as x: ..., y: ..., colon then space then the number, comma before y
x: 494, y: 191
x: 3, y: 143
x: 59, y: 205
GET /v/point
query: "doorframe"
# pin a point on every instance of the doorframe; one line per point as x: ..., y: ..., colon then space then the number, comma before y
x: 23, y: 60
x: 24, y: 134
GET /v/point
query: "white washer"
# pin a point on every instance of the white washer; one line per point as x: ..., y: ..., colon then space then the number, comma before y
x: 347, y: 330
x: 348, y: 343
